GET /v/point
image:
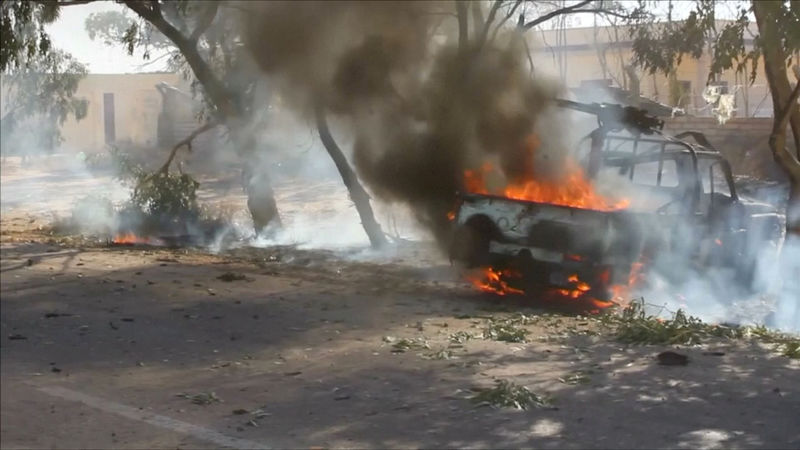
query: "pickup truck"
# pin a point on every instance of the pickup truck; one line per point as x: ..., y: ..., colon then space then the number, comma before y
x: 685, y: 215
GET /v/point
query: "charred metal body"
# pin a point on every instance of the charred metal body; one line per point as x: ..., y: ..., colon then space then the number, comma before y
x: 692, y: 218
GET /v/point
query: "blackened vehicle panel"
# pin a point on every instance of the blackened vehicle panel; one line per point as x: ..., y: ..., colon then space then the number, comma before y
x: 554, y: 227
x: 550, y: 236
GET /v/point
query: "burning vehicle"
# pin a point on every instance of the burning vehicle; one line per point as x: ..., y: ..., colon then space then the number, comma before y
x: 675, y: 211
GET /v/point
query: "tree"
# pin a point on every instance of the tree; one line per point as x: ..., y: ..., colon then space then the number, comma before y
x: 38, y: 81
x: 357, y: 192
x: 660, y: 46
x: 212, y: 51
x: 201, y: 37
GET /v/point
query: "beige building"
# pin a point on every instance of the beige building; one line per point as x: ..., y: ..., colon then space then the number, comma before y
x: 122, y: 108
x: 598, y: 56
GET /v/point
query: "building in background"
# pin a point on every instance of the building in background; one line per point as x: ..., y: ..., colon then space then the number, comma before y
x: 125, y: 109
x: 591, y: 60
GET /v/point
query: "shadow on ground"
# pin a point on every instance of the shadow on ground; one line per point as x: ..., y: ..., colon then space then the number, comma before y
x: 305, y: 349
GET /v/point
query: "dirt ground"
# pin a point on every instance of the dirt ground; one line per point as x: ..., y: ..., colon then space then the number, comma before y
x: 122, y: 347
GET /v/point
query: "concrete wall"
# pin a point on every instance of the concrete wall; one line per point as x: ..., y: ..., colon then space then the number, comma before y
x: 575, y: 55
x: 743, y: 141
x: 136, y: 107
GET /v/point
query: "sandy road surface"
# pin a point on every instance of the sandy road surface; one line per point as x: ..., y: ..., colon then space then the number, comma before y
x: 96, y: 343
x: 92, y: 337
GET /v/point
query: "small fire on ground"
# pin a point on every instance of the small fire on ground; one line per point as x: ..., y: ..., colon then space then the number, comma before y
x: 579, y: 293
x: 131, y: 238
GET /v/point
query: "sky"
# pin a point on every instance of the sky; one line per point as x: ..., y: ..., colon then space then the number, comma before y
x: 69, y: 34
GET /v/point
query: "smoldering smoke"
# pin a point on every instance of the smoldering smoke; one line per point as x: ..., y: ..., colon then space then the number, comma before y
x: 421, y: 108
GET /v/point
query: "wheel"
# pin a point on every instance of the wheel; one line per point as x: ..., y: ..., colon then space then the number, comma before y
x: 470, y: 245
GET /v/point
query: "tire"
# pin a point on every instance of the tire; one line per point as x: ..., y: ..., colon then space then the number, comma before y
x: 470, y: 245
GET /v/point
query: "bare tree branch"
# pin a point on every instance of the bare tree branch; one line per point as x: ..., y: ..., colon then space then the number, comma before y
x: 74, y: 2
x: 477, y: 16
x: 505, y: 19
x: 555, y: 13
x: 212, y: 85
x: 187, y: 142
x: 485, y: 31
x: 574, y: 9
x: 604, y: 11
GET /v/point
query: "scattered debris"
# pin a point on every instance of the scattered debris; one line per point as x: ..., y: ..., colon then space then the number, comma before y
x: 441, y: 354
x: 578, y: 377
x: 460, y: 337
x: 260, y: 414
x: 506, y: 394
x: 635, y: 326
x: 785, y: 344
x: 230, y: 276
x: 404, y: 344
x: 669, y: 358
x: 167, y: 260
x: 202, y: 398
x: 506, y: 330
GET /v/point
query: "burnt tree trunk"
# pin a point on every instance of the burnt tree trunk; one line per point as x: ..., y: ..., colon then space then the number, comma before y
x: 358, y: 195
x: 784, y: 104
x: 257, y: 185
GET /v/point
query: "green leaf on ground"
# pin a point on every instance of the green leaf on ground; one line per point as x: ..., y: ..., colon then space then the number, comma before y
x: 506, y: 394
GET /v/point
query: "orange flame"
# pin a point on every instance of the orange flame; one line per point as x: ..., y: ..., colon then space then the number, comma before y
x: 621, y: 292
x: 573, y: 189
x: 493, y: 281
x: 130, y: 238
